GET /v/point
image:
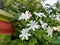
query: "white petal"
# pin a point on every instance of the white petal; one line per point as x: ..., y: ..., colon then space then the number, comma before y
x: 26, y: 38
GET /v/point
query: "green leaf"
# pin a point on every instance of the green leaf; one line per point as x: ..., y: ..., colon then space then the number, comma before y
x: 49, y: 39
x: 56, y: 40
x: 4, y: 18
x: 8, y: 2
x: 5, y: 37
x: 16, y: 42
x: 38, y: 33
x: 6, y: 14
x: 32, y: 41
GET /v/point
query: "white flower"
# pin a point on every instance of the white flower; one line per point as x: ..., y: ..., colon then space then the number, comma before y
x: 57, y: 17
x: 52, y: 17
x: 33, y: 25
x: 49, y: 11
x: 59, y: 1
x: 54, y: 6
x: 50, y: 2
x: 25, y: 34
x: 43, y: 0
x: 25, y: 16
x: 50, y: 31
x: 43, y: 25
x: 40, y: 14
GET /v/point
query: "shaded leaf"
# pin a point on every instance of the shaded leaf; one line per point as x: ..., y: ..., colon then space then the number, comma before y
x: 8, y: 2
x: 56, y: 40
x: 38, y: 33
x: 32, y: 41
x: 49, y: 39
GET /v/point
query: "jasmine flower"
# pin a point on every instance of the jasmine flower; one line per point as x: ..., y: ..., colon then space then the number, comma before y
x: 40, y: 14
x: 49, y: 31
x: 50, y: 2
x: 57, y: 17
x: 54, y: 6
x: 43, y: 25
x: 49, y: 11
x: 33, y: 25
x: 52, y: 16
x: 25, y: 16
x: 59, y: 1
x: 25, y: 34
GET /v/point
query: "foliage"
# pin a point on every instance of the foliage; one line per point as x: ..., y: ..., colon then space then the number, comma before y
x: 15, y: 8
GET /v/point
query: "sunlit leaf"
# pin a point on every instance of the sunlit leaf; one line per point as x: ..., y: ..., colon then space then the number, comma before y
x: 6, y: 14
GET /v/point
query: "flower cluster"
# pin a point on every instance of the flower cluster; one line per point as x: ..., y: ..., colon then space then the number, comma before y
x: 55, y: 17
x: 33, y: 25
x: 25, y: 16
